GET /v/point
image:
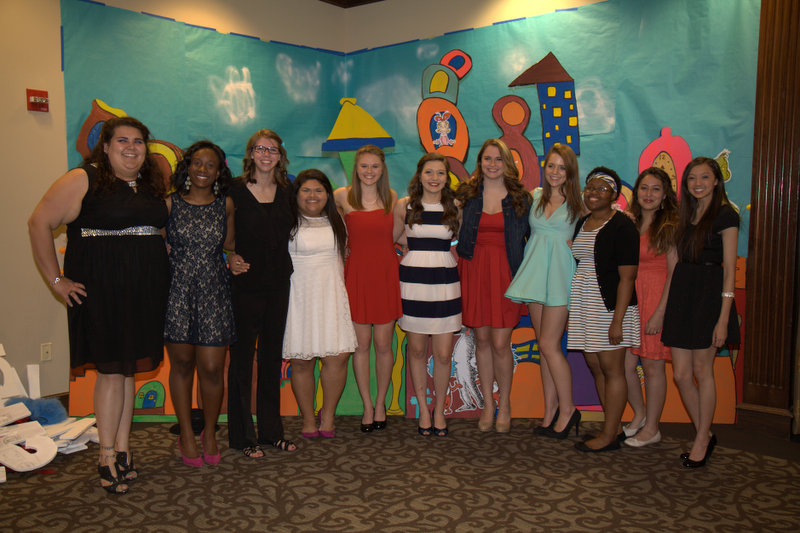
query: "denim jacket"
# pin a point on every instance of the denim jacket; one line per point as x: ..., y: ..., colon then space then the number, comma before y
x: 517, y: 230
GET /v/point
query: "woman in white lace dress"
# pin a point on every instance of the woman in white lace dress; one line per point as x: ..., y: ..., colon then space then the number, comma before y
x: 318, y: 324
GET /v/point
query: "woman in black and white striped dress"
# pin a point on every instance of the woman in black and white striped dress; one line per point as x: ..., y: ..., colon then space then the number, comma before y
x: 429, y: 284
x: 603, y: 315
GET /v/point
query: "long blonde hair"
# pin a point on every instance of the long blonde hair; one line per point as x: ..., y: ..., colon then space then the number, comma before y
x: 384, y: 191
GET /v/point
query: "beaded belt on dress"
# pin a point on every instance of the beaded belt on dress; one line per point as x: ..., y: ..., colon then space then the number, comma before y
x: 126, y: 232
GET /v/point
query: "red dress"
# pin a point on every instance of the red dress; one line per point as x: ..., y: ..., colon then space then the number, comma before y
x: 649, y: 285
x: 372, y: 269
x: 485, y: 278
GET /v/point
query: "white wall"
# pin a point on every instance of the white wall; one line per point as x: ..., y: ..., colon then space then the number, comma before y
x: 34, y: 144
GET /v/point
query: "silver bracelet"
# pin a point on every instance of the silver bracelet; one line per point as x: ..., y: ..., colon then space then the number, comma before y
x: 55, y: 281
x: 727, y: 294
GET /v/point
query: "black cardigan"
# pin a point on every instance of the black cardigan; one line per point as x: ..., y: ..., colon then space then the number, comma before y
x: 617, y: 244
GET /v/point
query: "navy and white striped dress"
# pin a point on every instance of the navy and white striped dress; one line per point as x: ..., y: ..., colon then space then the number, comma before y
x: 589, y: 320
x: 429, y: 284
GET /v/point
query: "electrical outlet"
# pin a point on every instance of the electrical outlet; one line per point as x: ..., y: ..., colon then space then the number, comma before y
x: 47, y: 351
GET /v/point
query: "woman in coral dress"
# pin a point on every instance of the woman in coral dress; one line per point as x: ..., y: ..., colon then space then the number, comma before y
x: 655, y: 209
x: 371, y: 275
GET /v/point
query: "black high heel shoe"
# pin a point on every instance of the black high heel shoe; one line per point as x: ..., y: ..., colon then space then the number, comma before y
x: 125, y: 467
x: 688, y: 463
x: 539, y: 431
x: 574, y: 420
x: 115, y: 481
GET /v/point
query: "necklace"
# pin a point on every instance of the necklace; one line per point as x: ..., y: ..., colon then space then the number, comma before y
x: 133, y: 185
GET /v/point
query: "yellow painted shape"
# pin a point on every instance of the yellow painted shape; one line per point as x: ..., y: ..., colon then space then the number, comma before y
x: 547, y: 134
x: 551, y: 91
x: 556, y: 111
x: 160, y: 149
x: 354, y: 122
x: 397, y: 375
x: 439, y: 82
x: 113, y: 110
x: 573, y: 121
x: 567, y: 94
x: 569, y: 139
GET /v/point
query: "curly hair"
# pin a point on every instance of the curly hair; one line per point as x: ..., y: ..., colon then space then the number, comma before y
x: 248, y: 166
x: 571, y: 187
x: 330, y: 210
x: 520, y: 198
x: 150, y: 178
x: 665, y: 220
x: 181, y: 174
x: 450, y: 210
x: 384, y: 191
x: 693, y: 245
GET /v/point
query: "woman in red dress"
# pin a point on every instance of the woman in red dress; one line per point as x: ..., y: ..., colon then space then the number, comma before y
x: 491, y: 243
x: 371, y: 275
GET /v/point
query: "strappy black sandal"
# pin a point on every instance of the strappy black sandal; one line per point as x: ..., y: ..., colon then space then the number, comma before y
x: 125, y: 468
x: 284, y: 445
x: 253, y: 451
x: 115, y: 482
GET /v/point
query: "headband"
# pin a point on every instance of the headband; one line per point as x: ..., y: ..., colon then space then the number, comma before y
x: 605, y: 177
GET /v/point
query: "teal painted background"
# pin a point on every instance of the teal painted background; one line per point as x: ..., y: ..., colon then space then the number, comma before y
x: 638, y: 66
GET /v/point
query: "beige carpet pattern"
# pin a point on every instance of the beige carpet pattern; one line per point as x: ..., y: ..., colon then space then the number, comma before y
x: 398, y: 481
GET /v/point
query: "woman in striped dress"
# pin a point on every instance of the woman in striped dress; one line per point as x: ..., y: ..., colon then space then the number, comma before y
x: 429, y: 285
x: 603, y: 316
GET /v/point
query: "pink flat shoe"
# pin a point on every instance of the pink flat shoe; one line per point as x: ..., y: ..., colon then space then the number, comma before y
x: 189, y: 461
x: 312, y: 435
x: 327, y: 434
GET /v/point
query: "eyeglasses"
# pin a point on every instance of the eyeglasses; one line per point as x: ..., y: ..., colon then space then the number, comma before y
x: 601, y: 190
x: 264, y: 149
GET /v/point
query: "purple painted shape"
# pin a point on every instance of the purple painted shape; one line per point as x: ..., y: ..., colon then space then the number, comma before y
x: 584, y: 391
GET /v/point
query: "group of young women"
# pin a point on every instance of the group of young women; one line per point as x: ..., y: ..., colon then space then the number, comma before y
x: 316, y: 276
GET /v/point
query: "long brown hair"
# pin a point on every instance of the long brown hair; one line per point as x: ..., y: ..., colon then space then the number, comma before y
x: 248, y: 166
x: 450, y: 211
x: 520, y: 198
x: 665, y: 220
x: 150, y: 179
x: 572, y: 185
x: 693, y: 247
x: 384, y: 191
x: 337, y: 224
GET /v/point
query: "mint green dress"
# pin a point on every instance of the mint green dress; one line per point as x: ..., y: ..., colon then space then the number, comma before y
x: 546, y: 271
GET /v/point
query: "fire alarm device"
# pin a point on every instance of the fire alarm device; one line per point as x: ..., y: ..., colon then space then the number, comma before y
x: 37, y: 100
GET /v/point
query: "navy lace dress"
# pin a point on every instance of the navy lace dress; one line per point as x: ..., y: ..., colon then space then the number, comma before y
x: 199, y: 307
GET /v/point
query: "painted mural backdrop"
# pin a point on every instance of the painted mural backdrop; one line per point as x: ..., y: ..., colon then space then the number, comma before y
x: 627, y: 84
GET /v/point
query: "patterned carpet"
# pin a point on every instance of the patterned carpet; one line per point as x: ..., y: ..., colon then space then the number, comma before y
x: 398, y: 481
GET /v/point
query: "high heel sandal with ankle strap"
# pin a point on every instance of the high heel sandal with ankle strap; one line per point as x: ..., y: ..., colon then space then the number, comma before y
x: 125, y: 467
x: 115, y: 486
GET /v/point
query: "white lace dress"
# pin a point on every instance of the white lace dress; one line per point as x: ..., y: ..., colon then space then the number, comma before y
x: 318, y: 323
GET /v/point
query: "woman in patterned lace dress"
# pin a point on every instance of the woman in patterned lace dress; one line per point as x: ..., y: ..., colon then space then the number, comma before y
x: 199, y: 324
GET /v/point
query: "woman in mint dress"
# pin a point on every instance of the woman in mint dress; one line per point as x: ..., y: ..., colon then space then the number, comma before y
x: 543, y: 282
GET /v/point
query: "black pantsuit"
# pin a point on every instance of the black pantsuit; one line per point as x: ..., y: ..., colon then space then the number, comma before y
x: 260, y: 303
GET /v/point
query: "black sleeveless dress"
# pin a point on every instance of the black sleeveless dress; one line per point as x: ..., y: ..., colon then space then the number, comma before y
x: 116, y: 250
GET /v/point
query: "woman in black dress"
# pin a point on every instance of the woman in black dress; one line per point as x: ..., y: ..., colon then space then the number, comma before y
x: 701, y: 315
x: 262, y: 268
x: 115, y: 277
